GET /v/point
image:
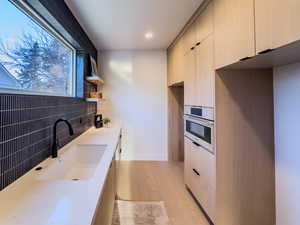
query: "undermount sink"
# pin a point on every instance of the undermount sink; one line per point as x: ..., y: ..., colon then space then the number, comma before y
x: 76, y: 163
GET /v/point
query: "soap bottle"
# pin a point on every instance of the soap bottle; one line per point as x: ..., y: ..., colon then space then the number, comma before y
x: 98, y: 121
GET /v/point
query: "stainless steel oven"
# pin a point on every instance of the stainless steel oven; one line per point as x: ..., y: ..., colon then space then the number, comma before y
x: 199, y: 126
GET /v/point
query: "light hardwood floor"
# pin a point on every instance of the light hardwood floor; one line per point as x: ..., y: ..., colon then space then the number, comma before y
x: 160, y: 181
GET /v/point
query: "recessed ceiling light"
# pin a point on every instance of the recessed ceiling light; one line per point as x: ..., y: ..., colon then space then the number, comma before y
x: 149, y: 35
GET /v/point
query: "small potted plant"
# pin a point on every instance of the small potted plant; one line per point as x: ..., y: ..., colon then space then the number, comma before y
x: 106, y: 122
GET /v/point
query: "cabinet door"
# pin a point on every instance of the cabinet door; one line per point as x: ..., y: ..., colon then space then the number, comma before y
x: 190, y: 77
x: 187, y: 161
x: 277, y: 23
x: 285, y: 22
x: 234, y: 31
x: 117, y: 162
x: 176, y: 63
x: 205, y: 75
x: 190, y: 36
x: 205, y: 184
x: 263, y: 25
x: 180, y: 61
x: 204, y: 23
x: 170, y: 66
x: 190, y: 66
x: 105, y: 208
x: 200, y: 176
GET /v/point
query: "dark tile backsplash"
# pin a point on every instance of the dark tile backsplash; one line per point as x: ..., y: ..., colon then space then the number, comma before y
x: 26, y: 129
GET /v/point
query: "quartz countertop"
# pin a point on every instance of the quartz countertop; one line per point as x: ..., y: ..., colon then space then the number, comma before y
x: 30, y: 201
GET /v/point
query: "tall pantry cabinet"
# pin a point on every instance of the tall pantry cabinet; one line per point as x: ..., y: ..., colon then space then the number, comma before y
x: 199, y: 76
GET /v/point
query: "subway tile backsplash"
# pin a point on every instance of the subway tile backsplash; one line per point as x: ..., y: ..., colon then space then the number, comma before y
x: 26, y: 130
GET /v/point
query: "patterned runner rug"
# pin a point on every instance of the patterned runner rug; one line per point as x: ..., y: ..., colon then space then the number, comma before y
x: 140, y: 213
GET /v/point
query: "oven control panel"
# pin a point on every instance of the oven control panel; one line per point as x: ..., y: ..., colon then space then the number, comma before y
x: 206, y: 113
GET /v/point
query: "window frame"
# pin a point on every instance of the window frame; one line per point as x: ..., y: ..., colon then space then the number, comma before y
x: 40, y: 21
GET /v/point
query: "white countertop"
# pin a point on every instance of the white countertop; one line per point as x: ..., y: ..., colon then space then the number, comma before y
x: 30, y: 201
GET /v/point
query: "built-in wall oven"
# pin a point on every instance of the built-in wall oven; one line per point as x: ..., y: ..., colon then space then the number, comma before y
x: 199, y: 126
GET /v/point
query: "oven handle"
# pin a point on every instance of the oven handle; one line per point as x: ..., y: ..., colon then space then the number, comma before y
x: 200, y: 121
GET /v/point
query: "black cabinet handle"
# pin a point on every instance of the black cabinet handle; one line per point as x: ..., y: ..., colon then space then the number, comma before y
x: 198, y: 43
x: 266, y: 51
x: 195, y: 143
x: 196, y: 172
x: 192, y: 48
x: 246, y: 58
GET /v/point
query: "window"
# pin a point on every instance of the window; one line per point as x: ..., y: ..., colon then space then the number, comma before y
x: 33, y: 57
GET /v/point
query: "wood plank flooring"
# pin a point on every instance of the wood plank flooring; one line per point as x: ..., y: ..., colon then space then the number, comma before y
x: 160, y: 181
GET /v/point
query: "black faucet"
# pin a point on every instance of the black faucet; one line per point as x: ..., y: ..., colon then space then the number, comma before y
x: 55, y: 142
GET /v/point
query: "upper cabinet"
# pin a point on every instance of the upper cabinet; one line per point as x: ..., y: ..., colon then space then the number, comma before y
x: 285, y: 22
x: 170, y: 65
x: 190, y: 37
x: 263, y: 30
x: 241, y: 30
x: 199, y: 69
x: 204, y: 24
x: 234, y: 31
x: 180, y: 60
x: 190, y: 66
x: 205, y: 74
x: 276, y: 23
x: 176, y: 61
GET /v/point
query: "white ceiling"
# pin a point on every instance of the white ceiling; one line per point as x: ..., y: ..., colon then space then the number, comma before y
x: 122, y: 24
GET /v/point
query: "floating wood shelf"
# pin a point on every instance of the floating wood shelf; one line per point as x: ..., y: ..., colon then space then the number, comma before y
x: 94, y: 80
x: 94, y: 99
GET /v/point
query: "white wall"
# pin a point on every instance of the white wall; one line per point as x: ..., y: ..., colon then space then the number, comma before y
x: 287, y: 143
x: 136, y: 92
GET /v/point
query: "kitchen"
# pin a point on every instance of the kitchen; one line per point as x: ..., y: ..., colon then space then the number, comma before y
x: 175, y: 112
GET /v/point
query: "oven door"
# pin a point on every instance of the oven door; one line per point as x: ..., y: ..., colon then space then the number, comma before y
x: 200, y: 131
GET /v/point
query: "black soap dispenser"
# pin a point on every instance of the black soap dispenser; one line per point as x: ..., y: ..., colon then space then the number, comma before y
x: 98, y: 121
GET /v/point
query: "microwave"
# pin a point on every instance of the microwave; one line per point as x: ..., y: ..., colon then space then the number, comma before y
x: 199, y: 126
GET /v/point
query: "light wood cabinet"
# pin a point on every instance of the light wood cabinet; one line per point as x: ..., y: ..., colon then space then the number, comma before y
x: 189, y: 79
x: 205, y: 74
x: 190, y: 66
x: 180, y: 61
x: 190, y: 37
x: 199, y: 76
x: 187, y: 160
x: 277, y: 23
x: 234, y: 31
x: 199, y: 47
x: 263, y: 25
x: 104, y: 211
x: 285, y: 22
x: 205, y: 24
x: 170, y: 65
x: 176, y: 63
x: 245, y: 147
x: 200, y: 176
x: 117, y: 158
